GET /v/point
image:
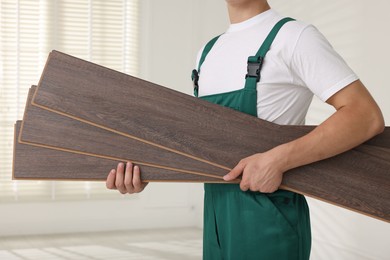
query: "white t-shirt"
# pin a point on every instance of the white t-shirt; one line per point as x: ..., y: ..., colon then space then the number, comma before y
x: 300, y: 63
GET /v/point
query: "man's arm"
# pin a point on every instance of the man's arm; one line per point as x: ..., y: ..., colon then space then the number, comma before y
x: 357, y: 119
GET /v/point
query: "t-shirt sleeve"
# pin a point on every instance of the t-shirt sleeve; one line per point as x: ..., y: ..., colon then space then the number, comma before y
x: 316, y: 65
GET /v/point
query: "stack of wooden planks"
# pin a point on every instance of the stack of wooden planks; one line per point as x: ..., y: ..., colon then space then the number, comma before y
x: 82, y: 119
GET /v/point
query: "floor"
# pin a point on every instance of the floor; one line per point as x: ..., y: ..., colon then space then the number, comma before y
x: 171, y: 244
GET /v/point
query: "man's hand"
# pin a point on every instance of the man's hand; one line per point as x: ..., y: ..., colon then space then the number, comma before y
x: 125, y: 181
x: 357, y: 119
x: 260, y: 172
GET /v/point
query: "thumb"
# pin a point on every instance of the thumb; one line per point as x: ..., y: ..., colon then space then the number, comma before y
x: 235, y: 172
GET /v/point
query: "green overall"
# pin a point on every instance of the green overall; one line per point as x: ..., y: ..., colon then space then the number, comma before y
x: 252, y: 225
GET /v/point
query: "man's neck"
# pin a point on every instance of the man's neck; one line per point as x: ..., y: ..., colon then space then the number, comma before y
x: 241, y: 12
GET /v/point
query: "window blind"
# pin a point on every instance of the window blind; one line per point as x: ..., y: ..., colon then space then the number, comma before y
x: 104, y: 32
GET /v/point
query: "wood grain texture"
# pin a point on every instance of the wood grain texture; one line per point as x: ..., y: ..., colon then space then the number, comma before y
x: 56, y: 131
x: 139, y: 109
x: 357, y: 180
x: 33, y: 162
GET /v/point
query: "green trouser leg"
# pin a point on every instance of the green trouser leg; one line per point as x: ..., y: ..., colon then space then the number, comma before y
x: 252, y: 225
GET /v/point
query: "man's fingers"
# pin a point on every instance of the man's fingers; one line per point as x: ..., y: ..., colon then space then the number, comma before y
x: 119, y: 178
x: 110, y: 182
x: 244, y: 183
x: 235, y: 172
x: 244, y: 186
x: 139, y: 185
x: 137, y: 179
x: 125, y: 179
x: 129, y: 177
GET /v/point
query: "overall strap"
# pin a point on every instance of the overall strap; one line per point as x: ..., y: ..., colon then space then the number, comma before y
x: 255, y: 62
x: 206, y: 50
x: 195, y: 73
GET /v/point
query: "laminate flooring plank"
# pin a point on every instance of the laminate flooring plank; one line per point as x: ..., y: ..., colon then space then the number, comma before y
x: 375, y: 151
x: 56, y: 131
x: 38, y: 163
x: 32, y: 163
x: 382, y: 140
x: 156, y: 115
x: 364, y: 188
x: 141, y: 110
x: 124, y: 104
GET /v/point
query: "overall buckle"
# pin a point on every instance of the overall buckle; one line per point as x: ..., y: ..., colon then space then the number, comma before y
x: 254, y: 68
x: 195, y: 79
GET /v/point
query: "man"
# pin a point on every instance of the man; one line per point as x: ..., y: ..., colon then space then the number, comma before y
x: 255, y: 220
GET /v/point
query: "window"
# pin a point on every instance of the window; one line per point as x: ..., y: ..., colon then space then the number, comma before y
x: 104, y: 32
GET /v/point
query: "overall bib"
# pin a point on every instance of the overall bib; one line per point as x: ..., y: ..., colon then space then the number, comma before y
x: 252, y: 225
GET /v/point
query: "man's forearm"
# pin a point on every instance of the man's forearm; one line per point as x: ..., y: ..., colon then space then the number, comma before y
x: 353, y: 123
x: 357, y: 119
